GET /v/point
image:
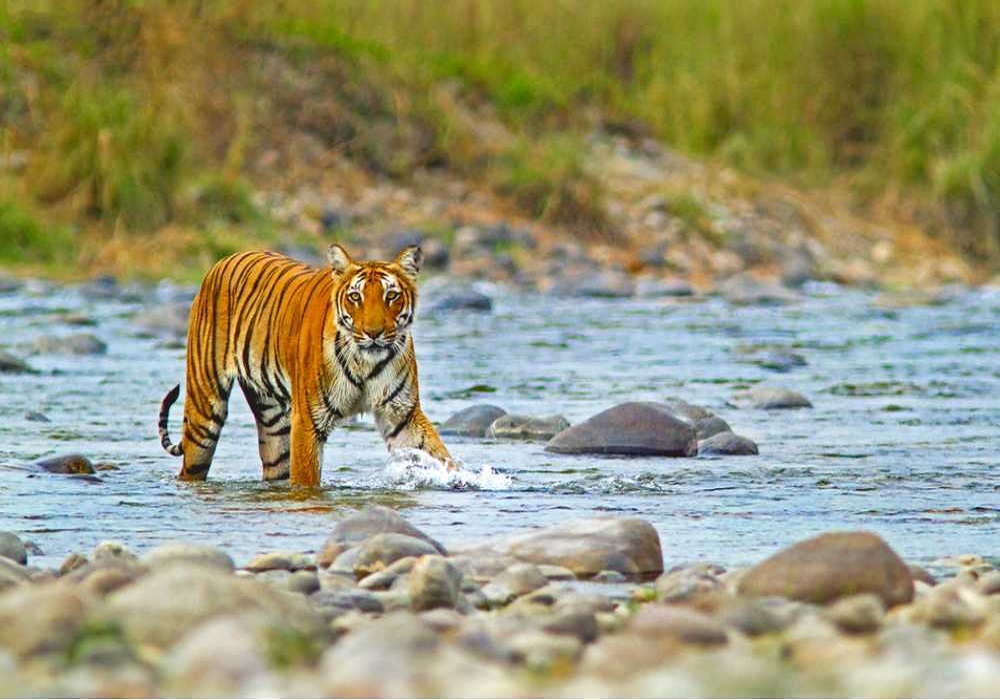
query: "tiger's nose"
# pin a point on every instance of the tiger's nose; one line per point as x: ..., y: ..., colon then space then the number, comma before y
x: 375, y: 335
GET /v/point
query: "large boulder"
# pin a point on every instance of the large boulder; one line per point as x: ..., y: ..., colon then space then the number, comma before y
x: 473, y: 421
x: 587, y: 547
x: 634, y: 428
x: 362, y: 524
x: 161, y: 607
x: 832, y: 566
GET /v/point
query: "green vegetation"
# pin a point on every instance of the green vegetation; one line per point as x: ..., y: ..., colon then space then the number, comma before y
x: 140, y: 113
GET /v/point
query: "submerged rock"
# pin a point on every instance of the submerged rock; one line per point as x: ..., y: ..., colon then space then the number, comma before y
x: 727, y: 443
x: 526, y: 427
x: 73, y: 344
x: 770, y: 398
x: 749, y: 291
x: 67, y: 464
x: 832, y: 566
x: 165, y: 321
x: 464, y: 300
x: 635, y: 428
x: 629, y: 546
x: 473, y: 421
x: 364, y: 523
x: 12, y: 364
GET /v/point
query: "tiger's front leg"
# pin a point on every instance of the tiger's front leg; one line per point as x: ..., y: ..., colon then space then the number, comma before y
x: 409, y: 428
x: 307, y: 450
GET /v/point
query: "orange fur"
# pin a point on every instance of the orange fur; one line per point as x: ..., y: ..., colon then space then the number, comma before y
x: 309, y: 348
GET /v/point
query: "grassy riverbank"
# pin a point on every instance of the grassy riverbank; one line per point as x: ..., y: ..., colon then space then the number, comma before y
x: 123, y: 119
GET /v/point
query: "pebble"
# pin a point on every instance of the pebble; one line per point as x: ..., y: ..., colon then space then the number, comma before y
x: 860, y: 614
x: 434, y: 582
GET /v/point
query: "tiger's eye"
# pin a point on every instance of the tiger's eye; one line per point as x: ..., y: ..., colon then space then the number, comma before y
x: 354, y: 297
x: 392, y: 296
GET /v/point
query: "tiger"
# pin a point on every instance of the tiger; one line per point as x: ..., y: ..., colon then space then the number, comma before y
x: 309, y: 348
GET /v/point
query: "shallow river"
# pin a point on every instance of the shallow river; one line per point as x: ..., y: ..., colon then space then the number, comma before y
x: 903, y: 439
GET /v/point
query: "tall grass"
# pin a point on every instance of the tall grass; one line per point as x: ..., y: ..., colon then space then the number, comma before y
x: 898, y: 94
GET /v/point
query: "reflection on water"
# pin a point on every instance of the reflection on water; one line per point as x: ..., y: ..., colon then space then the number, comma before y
x: 903, y: 438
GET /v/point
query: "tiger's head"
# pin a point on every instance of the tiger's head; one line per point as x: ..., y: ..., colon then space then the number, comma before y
x: 373, y: 301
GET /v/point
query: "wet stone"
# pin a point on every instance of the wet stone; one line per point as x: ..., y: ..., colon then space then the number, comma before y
x: 434, y: 582
x: 189, y: 553
x: 727, y: 444
x: 12, y: 364
x: 464, y: 300
x: 684, y: 625
x: 860, y: 614
x: 526, y: 427
x: 336, y: 603
x: 634, y: 428
x: 285, y: 561
x: 473, y: 421
x: 67, y: 464
x: 359, y: 526
x: 378, y: 552
x: 36, y: 417
x: 73, y: 344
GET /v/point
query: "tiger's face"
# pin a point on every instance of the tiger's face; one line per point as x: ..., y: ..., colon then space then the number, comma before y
x: 374, y: 302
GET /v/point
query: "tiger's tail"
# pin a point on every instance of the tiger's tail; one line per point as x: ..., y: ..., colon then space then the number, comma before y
x: 168, y: 401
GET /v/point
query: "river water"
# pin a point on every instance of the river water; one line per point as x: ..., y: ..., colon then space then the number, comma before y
x: 903, y: 439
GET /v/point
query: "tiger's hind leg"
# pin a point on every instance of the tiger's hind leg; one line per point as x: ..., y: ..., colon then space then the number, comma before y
x: 205, y: 411
x: 273, y: 433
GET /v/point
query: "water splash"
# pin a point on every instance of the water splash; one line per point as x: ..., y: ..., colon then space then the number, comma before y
x: 413, y: 469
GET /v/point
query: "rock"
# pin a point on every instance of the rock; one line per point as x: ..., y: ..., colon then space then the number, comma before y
x: 538, y: 649
x: 587, y: 547
x: 225, y: 653
x: 73, y: 344
x: 434, y: 582
x: 73, y: 562
x: 727, y: 444
x: 362, y: 524
x: 12, y: 573
x: 832, y: 566
x: 516, y: 580
x: 303, y: 581
x: 11, y: 364
x: 381, y: 580
x: 67, y: 464
x: 333, y: 604
x: 654, y: 288
x: 285, y: 561
x: 745, y: 290
x: 36, y: 417
x: 858, y: 614
x: 166, y: 321
x: 40, y: 619
x: 634, y: 428
x: 582, y: 625
x: 919, y: 573
x: 379, y: 551
x: 184, y: 552
x: 609, y: 284
x: 754, y: 617
x: 686, y: 585
x: 989, y: 583
x: 111, y: 550
x: 556, y: 573
x: 13, y: 548
x: 609, y: 577
x: 100, y: 288
x: 473, y: 421
x: 464, y: 300
x: 526, y: 428
x: 682, y: 624
x: 769, y: 398
x: 779, y: 360
x: 161, y: 607
x: 947, y: 608
x: 705, y: 422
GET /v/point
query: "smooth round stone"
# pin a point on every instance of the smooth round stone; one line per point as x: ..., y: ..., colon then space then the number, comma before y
x: 770, y: 398
x: 13, y: 548
x: 832, y: 566
x: 67, y: 464
x: 287, y: 561
x: 303, y: 581
x: 165, y: 321
x: 860, y: 614
x: 362, y: 524
x: 514, y: 427
x: 434, y: 582
x: 473, y: 421
x: 582, y: 625
x: 109, y: 549
x: 727, y: 444
x: 188, y: 553
x: 681, y: 624
x: 378, y: 552
x: 634, y: 428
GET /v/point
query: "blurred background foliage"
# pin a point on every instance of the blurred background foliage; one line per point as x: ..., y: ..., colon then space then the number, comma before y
x: 127, y: 116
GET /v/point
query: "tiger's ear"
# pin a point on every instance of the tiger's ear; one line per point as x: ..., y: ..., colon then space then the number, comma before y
x: 338, y: 258
x: 409, y: 260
